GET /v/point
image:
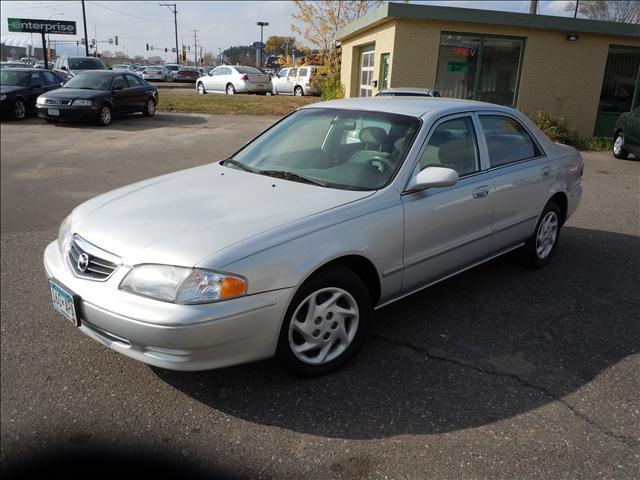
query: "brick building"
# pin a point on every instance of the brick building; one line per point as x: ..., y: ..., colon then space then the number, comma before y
x: 583, y: 70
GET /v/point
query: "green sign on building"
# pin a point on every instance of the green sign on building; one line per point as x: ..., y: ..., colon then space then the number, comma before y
x: 458, y: 67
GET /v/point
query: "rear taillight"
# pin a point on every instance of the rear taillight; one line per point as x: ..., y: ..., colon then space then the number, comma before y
x: 144, y: 72
x: 244, y: 77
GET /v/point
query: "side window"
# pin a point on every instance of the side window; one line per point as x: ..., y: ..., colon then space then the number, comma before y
x: 453, y: 145
x: 36, y: 79
x: 292, y: 72
x: 50, y: 78
x: 134, y: 80
x: 283, y: 73
x: 303, y: 72
x: 119, y: 81
x: 507, y: 140
x: 225, y: 71
x: 216, y: 71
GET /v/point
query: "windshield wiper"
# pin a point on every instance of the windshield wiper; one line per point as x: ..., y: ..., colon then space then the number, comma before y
x: 242, y: 166
x: 296, y: 177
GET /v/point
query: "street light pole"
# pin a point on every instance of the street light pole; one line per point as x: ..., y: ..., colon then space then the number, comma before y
x: 86, y: 40
x: 174, y: 10
x: 259, y: 56
x: 49, y: 36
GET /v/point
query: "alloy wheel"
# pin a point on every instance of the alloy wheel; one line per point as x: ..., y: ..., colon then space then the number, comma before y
x: 546, y: 235
x: 105, y: 115
x: 618, y: 144
x: 201, y: 89
x: 230, y: 90
x: 19, y: 110
x: 323, y: 326
x: 151, y: 107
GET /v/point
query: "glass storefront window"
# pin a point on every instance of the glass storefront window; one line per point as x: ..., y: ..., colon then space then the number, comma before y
x: 620, y: 78
x: 479, y: 67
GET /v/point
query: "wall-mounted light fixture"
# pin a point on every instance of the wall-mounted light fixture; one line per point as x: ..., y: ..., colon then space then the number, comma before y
x: 572, y: 37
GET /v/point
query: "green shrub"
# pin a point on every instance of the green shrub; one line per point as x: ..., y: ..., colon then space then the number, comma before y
x: 330, y: 87
x: 554, y: 127
x: 559, y: 131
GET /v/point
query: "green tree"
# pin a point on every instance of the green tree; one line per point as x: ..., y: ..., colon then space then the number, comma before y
x: 622, y: 11
x: 239, y: 54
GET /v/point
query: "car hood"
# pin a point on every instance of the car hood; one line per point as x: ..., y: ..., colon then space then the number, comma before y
x: 184, y: 217
x: 74, y: 93
x: 8, y: 89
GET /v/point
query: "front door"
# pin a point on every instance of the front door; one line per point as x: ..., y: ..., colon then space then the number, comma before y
x: 122, y: 101
x: 138, y: 91
x: 366, y: 71
x: 449, y: 228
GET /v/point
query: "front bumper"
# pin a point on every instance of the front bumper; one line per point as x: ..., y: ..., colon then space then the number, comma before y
x: 67, y: 113
x: 176, y: 337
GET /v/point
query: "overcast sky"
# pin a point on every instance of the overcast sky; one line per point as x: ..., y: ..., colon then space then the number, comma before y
x: 220, y: 24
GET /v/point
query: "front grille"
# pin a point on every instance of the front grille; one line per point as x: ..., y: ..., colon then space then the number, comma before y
x: 57, y: 101
x: 88, y: 261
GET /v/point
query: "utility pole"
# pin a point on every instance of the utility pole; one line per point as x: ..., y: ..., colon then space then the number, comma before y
x: 173, y: 8
x: 575, y: 14
x: 533, y: 7
x: 86, y: 37
x: 195, y: 47
x: 259, y: 56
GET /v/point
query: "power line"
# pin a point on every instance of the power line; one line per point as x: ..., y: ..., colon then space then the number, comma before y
x: 128, y: 14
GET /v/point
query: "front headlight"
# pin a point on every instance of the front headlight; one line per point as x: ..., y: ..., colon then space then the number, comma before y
x: 183, y: 285
x: 82, y: 103
x: 2, y: 97
x: 64, y: 233
x: 40, y: 101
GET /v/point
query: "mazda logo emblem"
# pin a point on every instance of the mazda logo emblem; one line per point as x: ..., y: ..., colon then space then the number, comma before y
x: 83, y: 262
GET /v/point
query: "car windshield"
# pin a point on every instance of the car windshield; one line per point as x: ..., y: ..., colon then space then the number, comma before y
x: 247, y: 70
x: 13, y: 77
x: 346, y: 149
x: 90, y: 81
x: 86, y: 64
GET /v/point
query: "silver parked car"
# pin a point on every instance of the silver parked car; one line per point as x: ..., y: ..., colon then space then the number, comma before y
x: 153, y: 72
x: 231, y: 79
x: 295, y: 81
x: 288, y: 246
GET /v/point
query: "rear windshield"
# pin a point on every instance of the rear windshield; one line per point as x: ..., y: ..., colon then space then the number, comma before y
x: 153, y: 68
x: 86, y: 64
x: 247, y: 70
x: 173, y: 67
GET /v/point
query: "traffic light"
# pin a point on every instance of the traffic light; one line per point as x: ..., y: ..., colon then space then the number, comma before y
x: 165, y: 49
x: 189, y: 48
x: 147, y: 47
x: 116, y: 39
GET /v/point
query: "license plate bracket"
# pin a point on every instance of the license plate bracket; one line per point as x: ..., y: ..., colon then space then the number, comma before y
x: 65, y: 302
x: 55, y: 112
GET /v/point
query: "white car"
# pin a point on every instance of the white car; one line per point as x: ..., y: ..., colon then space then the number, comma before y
x: 295, y: 81
x: 153, y: 73
x: 234, y: 79
x: 125, y: 68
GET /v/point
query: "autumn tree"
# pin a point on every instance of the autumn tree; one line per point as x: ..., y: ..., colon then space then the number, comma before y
x: 279, y: 45
x: 622, y: 11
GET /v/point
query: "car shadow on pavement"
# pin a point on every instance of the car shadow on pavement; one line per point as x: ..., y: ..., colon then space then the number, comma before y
x: 492, y: 343
x: 130, y: 123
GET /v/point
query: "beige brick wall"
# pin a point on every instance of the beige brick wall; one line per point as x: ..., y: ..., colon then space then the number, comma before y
x: 383, y: 38
x: 559, y: 77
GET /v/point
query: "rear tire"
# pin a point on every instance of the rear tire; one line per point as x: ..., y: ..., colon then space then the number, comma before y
x: 298, y: 92
x: 325, y: 323
x: 541, y: 246
x: 150, y: 108
x: 231, y: 90
x: 618, y: 147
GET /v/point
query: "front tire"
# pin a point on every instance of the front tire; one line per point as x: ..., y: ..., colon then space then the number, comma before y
x: 105, y: 116
x: 201, y: 89
x: 618, y: 147
x: 150, y: 108
x: 298, y: 92
x: 19, y: 109
x: 231, y: 90
x: 539, y: 249
x: 325, y: 323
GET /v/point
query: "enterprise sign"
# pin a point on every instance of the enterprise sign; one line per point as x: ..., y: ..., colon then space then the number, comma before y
x: 29, y: 25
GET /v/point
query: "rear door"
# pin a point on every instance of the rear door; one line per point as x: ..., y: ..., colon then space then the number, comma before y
x: 522, y: 175
x: 632, y: 132
x: 122, y: 101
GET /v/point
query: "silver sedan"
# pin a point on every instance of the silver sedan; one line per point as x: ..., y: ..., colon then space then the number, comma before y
x: 234, y: 79
x: 287, y: 247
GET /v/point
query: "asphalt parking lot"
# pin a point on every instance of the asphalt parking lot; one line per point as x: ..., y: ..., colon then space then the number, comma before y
x: 500, y: 372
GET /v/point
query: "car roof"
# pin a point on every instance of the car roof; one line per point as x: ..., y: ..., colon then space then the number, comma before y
x: 408, y: 105
x: 100, y: 72
x: 27, y: 69
x: 419, y: 91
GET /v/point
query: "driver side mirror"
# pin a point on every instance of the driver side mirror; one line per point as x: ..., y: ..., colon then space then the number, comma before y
x: 432, y: 177
x: 64, y: 67
x: 118, y: 87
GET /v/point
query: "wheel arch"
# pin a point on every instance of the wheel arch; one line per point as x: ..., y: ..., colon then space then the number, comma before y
x: 563, y: 202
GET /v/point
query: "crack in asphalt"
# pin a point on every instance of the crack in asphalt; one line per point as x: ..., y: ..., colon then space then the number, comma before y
x: 629, y: 441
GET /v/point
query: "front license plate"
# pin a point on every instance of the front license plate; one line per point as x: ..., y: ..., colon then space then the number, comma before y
x: 64, y: 302
x: 53, y: 111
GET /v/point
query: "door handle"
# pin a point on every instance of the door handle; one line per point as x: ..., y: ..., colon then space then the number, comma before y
x: 481, y: 192
x: 545, y: 172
